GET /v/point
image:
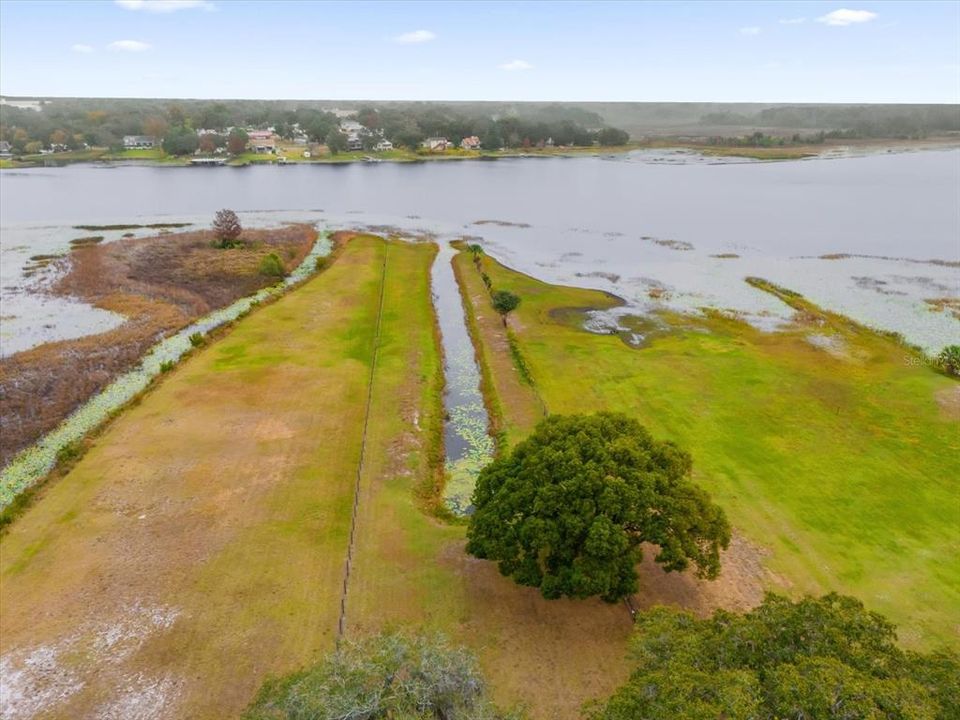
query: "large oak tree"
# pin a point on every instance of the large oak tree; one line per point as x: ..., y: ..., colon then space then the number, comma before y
x: 568, y: 509
x: 823, y: 658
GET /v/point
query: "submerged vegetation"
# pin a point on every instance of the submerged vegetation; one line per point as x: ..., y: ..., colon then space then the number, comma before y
x: 133, y: 226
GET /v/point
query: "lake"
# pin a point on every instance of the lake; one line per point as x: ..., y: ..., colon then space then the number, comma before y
x: 645, y: 225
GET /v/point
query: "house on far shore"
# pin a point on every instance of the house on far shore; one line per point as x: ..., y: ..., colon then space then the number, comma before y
x: 435, y: 144
x: 261, y: 141
x: 139, y: 142
x: 470, y: 143
x: 383, y: 145
x: 354, y: 142
x: 6, y: 149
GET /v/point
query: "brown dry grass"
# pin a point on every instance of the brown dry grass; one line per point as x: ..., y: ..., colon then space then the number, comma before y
x: 160, y: 285
x: 198, y: 546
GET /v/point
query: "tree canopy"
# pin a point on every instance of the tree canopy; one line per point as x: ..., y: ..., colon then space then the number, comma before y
x: 388, y: 676
x: 826, y: 658
x: 180, y: 140
x: 237, y: 141
x: 336, y: 141
x: 226, y: 227
x: 504, y: 301
x: 567, y: 510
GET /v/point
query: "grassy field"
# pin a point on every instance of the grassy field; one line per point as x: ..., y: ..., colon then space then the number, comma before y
x: 841, y: 464
x: 200, y: 543
x: 199, y: 546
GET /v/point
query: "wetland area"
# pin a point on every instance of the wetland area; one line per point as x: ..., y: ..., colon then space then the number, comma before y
x: 803, y: 395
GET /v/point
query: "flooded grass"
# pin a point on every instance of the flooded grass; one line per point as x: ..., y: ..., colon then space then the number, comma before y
x: 133, y: 226
x: 84, y: 241
x: 823, y: 440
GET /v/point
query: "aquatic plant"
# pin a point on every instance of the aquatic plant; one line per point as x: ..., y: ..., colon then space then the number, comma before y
x: 33, y: 463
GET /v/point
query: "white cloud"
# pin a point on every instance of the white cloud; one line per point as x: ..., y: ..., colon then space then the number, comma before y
x: 793, y: 21
x: 843, y: 17
x: 164, y: 6
x: 754, y: 30
x: 128, y: 45
x: 516, y: 65
x: 81, y: 48
x: 417, y: 36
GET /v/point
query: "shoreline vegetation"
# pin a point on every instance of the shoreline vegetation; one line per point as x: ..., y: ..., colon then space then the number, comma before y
x: 159, y: 285
x: 52, y: 456
x: 292, y: 155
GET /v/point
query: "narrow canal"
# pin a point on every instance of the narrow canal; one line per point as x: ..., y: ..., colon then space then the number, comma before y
x: 466, y: 440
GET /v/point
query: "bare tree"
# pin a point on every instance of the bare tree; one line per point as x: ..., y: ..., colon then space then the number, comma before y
x: 227, y: 228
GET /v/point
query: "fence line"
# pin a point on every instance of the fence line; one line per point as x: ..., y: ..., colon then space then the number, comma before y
x: 348, y: 565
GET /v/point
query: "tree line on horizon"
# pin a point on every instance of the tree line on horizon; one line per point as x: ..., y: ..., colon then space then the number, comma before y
x: 78, y: 123
x: 102, y: 122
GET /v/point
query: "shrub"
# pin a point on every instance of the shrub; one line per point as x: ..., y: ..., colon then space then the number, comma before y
x: 69, y: 453
x: 167, y: 365
x: 320, y: 263
x: 271, y: 266
x: 949, y: 360
x: 386, y: 676
x: 196, y: 339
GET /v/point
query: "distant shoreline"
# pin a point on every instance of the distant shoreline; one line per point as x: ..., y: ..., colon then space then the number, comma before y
x: 777, y: 153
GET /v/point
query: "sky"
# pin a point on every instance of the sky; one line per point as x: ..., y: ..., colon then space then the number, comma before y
x: 845, y: 51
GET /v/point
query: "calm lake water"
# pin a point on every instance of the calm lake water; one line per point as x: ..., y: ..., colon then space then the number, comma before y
x: 627, y: 224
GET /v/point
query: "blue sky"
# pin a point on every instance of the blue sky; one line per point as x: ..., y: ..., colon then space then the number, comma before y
x: 657, y: 51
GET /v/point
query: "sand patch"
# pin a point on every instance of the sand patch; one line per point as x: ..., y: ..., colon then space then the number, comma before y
x: 948, y: 399
x: 44, y: 678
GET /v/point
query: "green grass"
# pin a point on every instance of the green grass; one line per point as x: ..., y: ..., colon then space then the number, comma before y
x: 846, y: 469
x: 248, y: 158
x: 139, y: 154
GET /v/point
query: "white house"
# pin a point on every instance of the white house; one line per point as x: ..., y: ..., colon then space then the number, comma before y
x: 139, y: 142
x: 383, y: 145
x: 470, y: 143
x: 351, y: 127
x: 436, y: 144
